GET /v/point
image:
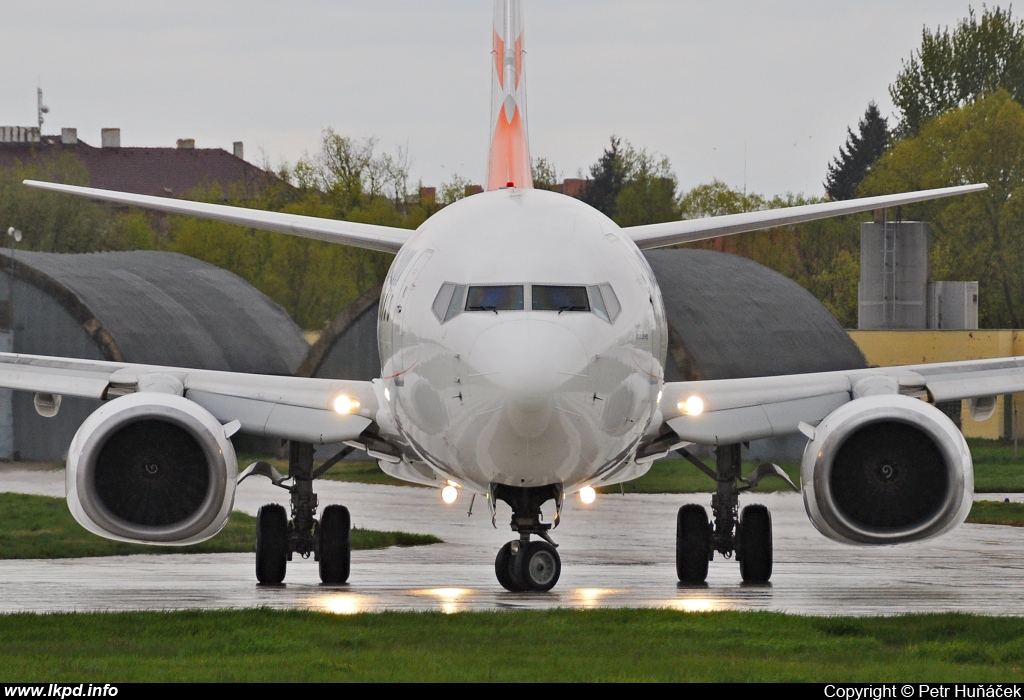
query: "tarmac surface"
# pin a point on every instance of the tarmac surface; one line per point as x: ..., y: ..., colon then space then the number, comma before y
x: 618, y: 552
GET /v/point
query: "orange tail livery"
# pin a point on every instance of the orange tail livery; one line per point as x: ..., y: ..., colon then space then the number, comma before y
x: 509, y: 162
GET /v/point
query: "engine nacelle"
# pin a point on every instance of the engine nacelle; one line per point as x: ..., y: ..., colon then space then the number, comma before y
x: 151, y: 468
x: 886, y: 469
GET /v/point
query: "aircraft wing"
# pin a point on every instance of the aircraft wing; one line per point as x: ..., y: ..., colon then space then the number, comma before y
x: 675, y: 232
x: 382, y: 238
x: 293, y: 408
x: 738, y: 410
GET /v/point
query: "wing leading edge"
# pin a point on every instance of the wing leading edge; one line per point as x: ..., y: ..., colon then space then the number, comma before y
x: 738, y: 410
x: 383, y: 238
x: 676, y: 232
x: 293, y: 408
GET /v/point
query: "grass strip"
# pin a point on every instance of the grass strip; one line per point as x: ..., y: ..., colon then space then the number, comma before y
x: 40, y: 527
x: 997, y: 513
x: 996, y: 470
x: 524, y: 646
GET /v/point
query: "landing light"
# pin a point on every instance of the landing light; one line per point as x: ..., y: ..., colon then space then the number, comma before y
x: 693, y: 406
x: 449, y: 494
x: 345, y: 405
x: 588, y: 495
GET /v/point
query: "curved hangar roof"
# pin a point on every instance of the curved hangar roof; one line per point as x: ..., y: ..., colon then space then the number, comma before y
x: 157, y: 308
x: 731, y: 317
x: 728, y: 317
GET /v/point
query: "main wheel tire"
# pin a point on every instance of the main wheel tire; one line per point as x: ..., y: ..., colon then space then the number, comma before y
x: 754, y: 549
x: 693, y: 544
x: 334, y: 544
x: 537, y: 566
x: 503, y: 568
x: 271, y: 544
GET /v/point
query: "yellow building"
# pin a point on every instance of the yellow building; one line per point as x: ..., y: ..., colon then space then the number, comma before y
x: 884, y: 348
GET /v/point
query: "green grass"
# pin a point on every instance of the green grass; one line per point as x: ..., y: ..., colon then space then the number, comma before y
x: 525, y: 646
x: 997, y: 513
x: 40, y: 527
x: 995, y: 471
x: 355, y: 472
x: 679, y: 476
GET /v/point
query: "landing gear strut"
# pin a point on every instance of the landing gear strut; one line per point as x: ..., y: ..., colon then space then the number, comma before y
x: 525, y: 565
x: 747, y: 534
x: 278, y: 538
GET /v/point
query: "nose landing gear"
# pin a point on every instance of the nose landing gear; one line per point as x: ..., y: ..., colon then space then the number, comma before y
x: 524, y: 565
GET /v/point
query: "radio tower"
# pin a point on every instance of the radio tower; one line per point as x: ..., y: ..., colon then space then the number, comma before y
x: 41, y: 109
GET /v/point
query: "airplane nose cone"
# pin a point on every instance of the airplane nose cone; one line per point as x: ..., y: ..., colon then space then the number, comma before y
x: 529, y: 363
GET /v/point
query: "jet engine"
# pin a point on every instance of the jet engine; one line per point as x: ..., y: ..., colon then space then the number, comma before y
x: 886, y: 469
x: 152, y: 468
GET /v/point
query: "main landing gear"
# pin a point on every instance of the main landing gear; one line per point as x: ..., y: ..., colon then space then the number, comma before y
x: 525, y: 565
x: 277, y: 538
x: 748, y: 536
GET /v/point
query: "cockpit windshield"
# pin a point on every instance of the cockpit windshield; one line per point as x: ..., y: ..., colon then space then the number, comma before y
x: 559, y: 298
x: 495, y: 298
x: 454, y: 299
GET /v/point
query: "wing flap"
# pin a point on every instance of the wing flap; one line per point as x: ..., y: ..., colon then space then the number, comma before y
x: 66, y: 381
x: 373, y: 237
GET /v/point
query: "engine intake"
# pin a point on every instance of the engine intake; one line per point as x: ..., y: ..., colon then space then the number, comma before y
x: 152, y: 468
x: 887, y: 469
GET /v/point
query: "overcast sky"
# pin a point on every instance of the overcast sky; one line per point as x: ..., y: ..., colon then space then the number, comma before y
x: 754, y: 91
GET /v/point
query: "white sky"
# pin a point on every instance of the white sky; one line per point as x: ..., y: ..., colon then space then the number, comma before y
x: 701, y: 82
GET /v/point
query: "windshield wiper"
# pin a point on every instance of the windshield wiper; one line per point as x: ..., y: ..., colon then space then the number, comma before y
x: 571, y: 308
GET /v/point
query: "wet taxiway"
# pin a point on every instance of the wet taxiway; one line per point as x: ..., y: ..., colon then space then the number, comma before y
x: 618, y: 552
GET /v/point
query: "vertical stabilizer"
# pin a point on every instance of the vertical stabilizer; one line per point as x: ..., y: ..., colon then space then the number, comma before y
x: 509, y: 161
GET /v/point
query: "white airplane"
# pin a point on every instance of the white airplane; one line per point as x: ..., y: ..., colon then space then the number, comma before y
x: 523, y: 341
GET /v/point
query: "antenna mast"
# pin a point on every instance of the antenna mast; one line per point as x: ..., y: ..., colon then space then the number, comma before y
x: 41, y: 109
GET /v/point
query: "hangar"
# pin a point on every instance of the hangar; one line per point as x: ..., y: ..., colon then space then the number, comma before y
x: 139, y: 306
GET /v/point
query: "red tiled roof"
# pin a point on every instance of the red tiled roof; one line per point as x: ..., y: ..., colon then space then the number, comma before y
x: 167, y: 172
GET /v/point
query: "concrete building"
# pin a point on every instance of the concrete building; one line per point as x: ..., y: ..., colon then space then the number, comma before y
x: 140, y: 306
x: 162, y: 172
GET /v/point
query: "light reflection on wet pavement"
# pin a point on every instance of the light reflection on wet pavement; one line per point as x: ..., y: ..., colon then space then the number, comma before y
x: 618, y: 552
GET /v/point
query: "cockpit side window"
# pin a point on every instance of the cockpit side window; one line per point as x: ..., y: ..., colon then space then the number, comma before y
x: 606, y: 304
x: 442, y: 300
x: 448, y: 302
x: 559, y: 298
x: 495, y: 298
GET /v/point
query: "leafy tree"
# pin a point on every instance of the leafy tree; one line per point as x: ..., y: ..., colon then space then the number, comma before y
x: 632, y: 186
x: 607, y: 176
x: 855, y: 159
x: 717, y: 198
x: 350, y: 171
x: 952, y: 69
x: 822, y: 256
x: 978, y: 236
x: 545, y: 175
x: 61, y: 224
x: 648, y: 196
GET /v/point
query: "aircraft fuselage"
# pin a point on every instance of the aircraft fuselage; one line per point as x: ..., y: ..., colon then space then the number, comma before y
x: 522, y: 340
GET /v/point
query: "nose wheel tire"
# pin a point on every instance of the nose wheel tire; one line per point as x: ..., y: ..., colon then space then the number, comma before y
x: 535, y: 567
x: 503, y: 568
x: 754, y: 544
x: 334, y: 550
x: 693, y: 544
x: 271, y: 544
